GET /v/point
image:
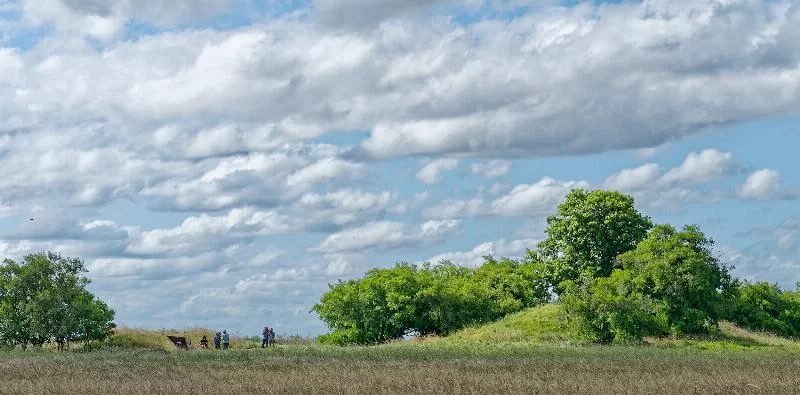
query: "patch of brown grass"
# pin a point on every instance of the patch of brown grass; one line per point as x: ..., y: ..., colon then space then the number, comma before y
x: 407, y: 369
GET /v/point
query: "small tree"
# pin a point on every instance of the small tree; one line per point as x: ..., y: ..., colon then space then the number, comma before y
x: 44, y: 298
x: 588, y: 233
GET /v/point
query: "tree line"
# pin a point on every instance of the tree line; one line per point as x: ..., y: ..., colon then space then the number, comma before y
x: 43, y: 299
x: 619, y: 276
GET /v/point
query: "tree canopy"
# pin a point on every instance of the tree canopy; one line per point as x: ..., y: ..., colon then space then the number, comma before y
x: 671, y: 283
x: 44, y: 298
x: 588, y: 232
x: 428, y: 300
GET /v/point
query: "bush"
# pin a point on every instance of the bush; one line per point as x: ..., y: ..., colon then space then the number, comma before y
x: 671, y: 283
x: 438, y: 299
x: 611, y: 309
x: 765, y: 307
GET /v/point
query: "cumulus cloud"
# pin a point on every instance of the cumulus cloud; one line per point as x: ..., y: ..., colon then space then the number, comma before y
x: 106, y: 19
x: 761, y: 185
x: 361, y: 14
x: 385, y: 235
x: 492, y: 169
x: 431, y: 172
x: 334, y: 210
x: 678, y: 70
x: 263, y: 179
x: 657, y: 187
x: 536, y: 199
x: 499, y: 249
x: 203, y: 233
x: 773, y: 268
x: 699, y: 167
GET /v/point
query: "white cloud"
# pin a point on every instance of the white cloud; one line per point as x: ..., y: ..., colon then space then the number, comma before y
x: 655, y: 187
x: 761, y: 185
x: 206, y: 232
x: 782, y: 270
x: 535, y: 199
x: 385, y: 235
x: 700, y: 167
x: 11, y: 65
x: 634, y: 179
x: 105, y: 19
x: 342, y: 207
x: 492, y: 169
x: 499, y: 249
x: 360, y: 14
x: 324, y: 170
x: 431, y: 172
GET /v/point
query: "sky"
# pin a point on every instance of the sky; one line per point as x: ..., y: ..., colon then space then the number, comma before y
x: 218, y: 163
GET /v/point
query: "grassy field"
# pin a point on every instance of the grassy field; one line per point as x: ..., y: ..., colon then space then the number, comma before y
x: 529, y: 352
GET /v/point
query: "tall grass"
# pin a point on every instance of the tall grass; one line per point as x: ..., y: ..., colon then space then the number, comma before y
x: 405, y: 368
x: 534, y: 351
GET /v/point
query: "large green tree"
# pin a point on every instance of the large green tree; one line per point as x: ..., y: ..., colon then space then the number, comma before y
x: 587, y: 234
x: 43, y: 298
x: 671, y: 283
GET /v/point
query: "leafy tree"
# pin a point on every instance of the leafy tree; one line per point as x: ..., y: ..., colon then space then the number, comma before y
x: 671, y: 283
x: 514, y: 285
x: 766, y: 307
x: 429, y: 300
x: 44, y: 298
x: 612, y: 309
x: 588, y: 233
x: 679, y: 270
x: 374, y: 309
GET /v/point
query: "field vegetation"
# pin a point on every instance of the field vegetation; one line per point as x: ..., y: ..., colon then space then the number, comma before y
x: 510, y: 356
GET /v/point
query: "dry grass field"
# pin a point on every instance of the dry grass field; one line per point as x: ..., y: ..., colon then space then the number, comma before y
x: 528, y: 352
x: 404, y: 368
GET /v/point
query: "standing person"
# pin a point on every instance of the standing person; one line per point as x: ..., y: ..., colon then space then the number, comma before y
x: 204, y: 342
x: 217, y: 338
x: 272, y: 337
x: 226, y: 340
x: 265, y: 337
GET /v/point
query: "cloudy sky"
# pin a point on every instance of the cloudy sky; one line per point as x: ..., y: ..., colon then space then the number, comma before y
x: 218, y: 162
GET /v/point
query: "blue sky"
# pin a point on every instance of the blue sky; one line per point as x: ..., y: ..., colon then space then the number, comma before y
x: 218, y: 162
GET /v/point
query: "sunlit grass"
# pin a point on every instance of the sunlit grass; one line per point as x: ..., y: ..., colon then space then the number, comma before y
x: 534, y: 351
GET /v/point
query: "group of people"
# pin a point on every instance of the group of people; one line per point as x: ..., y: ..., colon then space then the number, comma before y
x: 267, y: 337
x: 223, y: 339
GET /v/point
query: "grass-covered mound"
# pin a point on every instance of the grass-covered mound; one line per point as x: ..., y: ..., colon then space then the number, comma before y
x: 548, y: 325
x: 545, y: 324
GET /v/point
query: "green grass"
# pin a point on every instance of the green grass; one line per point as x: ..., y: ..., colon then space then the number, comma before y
x: 544, y: 324
x: 548, y: 325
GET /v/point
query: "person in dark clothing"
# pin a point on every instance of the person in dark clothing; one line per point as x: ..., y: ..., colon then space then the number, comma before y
x: 204, y: 342
x: 217, y: 338
x: 265, y: 337
x: 271, y: 337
